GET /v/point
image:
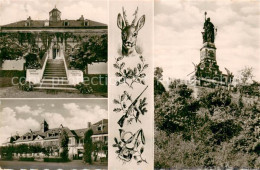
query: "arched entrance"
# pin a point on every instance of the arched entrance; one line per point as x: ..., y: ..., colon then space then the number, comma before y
x: 55, y: 51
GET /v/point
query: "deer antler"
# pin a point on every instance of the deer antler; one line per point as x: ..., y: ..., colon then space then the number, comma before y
x: 124, y: 15
x: 135, y: 14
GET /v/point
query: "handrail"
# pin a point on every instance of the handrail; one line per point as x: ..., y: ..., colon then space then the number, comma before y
x: 44, y: 60
x: 65, y: 60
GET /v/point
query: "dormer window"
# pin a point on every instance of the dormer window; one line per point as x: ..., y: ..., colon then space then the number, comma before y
x: 99, y: 128
x: 46, y: 23
x: 28, y: 22
x: 66, y: 23
x: 86, y: 23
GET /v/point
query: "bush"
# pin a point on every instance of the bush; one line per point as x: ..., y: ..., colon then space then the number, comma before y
x: 224, y: 131
x: 26, y: 86
x: 221, y: 129
x: 84, y: 89
x: 26, y: 159
x: 54, y: 160
x: 98, y: 82
x: 32, y: 61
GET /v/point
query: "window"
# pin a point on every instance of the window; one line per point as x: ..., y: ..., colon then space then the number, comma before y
x: 66, y: 23
x: 86, y: 23
x: 70, y: 141
x: 27, y: 24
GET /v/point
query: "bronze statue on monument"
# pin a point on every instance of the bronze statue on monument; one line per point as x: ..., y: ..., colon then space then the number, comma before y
x: 210, y: 32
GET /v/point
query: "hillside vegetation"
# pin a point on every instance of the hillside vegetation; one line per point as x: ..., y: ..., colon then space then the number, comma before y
x: 214, y: 130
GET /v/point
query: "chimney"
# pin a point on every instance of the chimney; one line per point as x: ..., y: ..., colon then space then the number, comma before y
x: 89, y: 124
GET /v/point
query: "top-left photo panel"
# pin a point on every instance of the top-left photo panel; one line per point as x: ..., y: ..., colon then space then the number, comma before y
x: 53, y: 49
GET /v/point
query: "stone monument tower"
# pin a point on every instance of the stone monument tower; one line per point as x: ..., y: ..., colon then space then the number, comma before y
x: 207, y: 72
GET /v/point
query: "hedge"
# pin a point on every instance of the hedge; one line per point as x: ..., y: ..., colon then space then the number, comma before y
x: 54, y: 160
x: 26, y: 159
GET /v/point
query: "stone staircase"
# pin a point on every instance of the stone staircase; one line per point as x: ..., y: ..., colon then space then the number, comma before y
x: 54, y: 77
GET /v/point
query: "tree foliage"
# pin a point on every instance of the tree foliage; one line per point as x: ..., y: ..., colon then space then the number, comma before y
x: 92, y: 49
x: 10, y: 49
x: 217, y: 129
x: 88, y: 146
x: 64, y: 141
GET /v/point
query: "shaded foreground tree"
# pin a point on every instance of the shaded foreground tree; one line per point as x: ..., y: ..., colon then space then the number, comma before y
x: 10, y: 49
x: 64, y: 141
x: 88, y: 146
x: 93, y: 49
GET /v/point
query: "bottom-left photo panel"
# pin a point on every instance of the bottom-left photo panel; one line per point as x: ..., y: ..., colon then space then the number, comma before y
x: 53, y: 134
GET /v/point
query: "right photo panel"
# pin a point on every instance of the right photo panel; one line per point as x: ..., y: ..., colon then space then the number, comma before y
x: 206, y: 84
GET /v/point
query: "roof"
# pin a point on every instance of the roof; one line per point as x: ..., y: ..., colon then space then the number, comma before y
x: 94, y: 127
x: 71, y: 133
x: 58, y: 24
x: 44, y: 134
x: 54, y: 9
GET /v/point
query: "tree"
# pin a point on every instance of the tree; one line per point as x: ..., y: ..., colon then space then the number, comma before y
x: 93, y: 49
x: 158, y: 73
x: 88, y: 146
x: 175, y: 111
x: 64, y: 141
x: 246, y: 74
x: 158, y: 86
x: 10, y: 49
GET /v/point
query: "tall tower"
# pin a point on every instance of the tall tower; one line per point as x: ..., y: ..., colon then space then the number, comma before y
x: 207, y: 72
x: 44, y: 126
x: 55, y: 15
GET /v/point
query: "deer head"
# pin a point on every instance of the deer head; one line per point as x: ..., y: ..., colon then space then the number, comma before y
x: 129, y: 31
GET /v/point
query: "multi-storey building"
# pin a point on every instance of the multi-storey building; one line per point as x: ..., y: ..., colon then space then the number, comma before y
x: 46, y: 137
x: 53, y: 40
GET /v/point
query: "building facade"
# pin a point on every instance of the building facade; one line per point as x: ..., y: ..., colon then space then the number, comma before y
x: 49, y: 138
x: 53, y: 40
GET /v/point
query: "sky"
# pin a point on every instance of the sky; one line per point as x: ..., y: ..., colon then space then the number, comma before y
x: 16, y: 10
x: 19, y: 116
x: 178, y: 38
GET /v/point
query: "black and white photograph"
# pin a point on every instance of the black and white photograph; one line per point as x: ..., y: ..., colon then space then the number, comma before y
x: 53, y: 49
x: 207, y: 84
x: 54, y: 134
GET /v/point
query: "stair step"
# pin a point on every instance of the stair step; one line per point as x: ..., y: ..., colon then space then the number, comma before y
x: 55, y: 66
x: 54, y: 85
x: 60, y: 81
x: 56, y: 88
x: 55, y: 73
x: 55, y: 69
x: 55, y: 77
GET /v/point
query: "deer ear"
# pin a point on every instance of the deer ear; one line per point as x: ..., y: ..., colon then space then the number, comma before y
x: 140, y: 23
x: 120, y: 22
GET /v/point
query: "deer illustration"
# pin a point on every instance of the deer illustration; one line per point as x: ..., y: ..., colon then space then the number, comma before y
x: 129, y: 32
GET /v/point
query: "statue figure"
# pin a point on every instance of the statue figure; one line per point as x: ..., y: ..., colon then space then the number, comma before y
x: 209, y: 31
